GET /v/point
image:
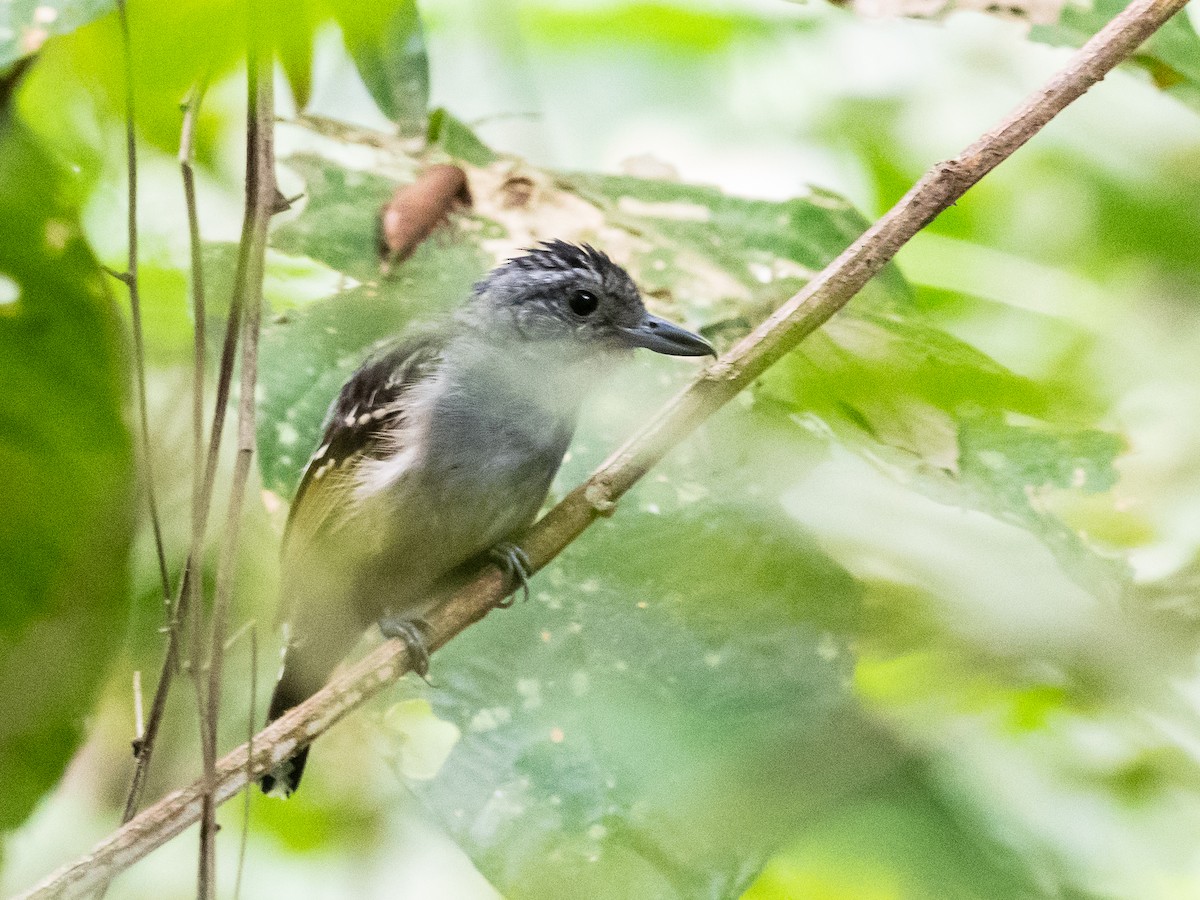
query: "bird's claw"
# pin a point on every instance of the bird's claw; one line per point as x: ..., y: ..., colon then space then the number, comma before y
x: 412, y: 632
x: 514, y: 563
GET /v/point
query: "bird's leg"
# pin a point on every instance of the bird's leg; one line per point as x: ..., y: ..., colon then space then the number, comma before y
x: 412, y: 633
x: 514, y: 563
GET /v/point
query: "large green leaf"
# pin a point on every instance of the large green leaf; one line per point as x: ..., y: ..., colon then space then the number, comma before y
x: 65, y: 474
x: 179, y: 45
x: 934, y: 413
x: 387, y: 45
x: 672, y: 707
x: 630, y: 729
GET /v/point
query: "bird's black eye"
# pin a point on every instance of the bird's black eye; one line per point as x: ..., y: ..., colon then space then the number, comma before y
x: 583, y: 303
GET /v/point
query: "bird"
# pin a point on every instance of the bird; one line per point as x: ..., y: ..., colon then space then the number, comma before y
x: 440, y: 450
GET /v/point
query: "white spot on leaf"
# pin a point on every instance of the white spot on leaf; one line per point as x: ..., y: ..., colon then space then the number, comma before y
x: 828, y: 648
x: 10, y: 291
x: 425, y: 740
x: 530, y: 690
x: 489, y: 719
x: 680, y: 211
x: 286, y: 433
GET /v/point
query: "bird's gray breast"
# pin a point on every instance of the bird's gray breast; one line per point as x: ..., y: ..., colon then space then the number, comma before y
x: 471, y: 467
x: 492, y: 453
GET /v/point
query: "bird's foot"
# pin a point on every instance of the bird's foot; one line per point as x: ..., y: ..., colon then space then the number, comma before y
x: 514, y: 563
x: 412, y: 632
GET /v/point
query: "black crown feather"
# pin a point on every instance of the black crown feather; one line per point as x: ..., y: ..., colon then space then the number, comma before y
x: 558, y: 255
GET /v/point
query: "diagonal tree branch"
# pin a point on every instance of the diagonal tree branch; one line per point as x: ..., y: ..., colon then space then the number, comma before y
x: 716, y: 385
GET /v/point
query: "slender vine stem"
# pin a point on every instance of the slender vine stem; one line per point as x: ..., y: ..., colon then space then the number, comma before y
x: 145, y: 736
x: 261, y: 196
x: 188, y: 592
x: 192, y: 602
x: 716, y: 385
x: 130, y: 279
x: 251, y: 725
x: 187, y: 601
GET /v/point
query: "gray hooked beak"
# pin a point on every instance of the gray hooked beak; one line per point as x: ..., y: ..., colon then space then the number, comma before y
x: 666, y: 337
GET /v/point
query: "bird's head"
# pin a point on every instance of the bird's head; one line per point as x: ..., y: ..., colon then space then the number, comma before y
x: 560, y: 292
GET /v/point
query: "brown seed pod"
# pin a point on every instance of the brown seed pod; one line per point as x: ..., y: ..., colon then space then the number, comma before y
x: 416, y: 209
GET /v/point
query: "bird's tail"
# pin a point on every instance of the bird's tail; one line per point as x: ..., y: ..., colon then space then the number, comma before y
x: 306, y: 668
x: 286, y: 775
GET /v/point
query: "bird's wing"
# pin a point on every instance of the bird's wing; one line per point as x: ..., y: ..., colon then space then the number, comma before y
x: 362, y: 423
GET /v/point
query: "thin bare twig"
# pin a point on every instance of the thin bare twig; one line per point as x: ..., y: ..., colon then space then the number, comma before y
x: 251, y: 725
x: 191, y: 600
x: 191, y: 114
x: 248, y: 280
x: 720, y: 382
x: 188, y: 598
x: 130, y: 278
x: 144, y: 737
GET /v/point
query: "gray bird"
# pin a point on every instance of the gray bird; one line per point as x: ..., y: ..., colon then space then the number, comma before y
x: 440, y: 450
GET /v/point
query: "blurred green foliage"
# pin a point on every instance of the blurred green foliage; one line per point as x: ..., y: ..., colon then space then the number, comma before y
x: 1169, y: 57
x: 387, y: 46
x: 26, y: 24
x: 66, y: 473
x: 885, y: 627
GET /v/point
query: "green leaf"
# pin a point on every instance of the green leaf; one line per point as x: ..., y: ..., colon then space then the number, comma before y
x: 175, y: 46
x: 628, y: 729
x: 294, y: 30
x: 1008, y: 468
x: 457, y: 139
x: 387, y: 44
x: 935, y: 412
x: 65, y: 472
x: 909, y: 837
x: 26, y: 24
x: 1171, y: 56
